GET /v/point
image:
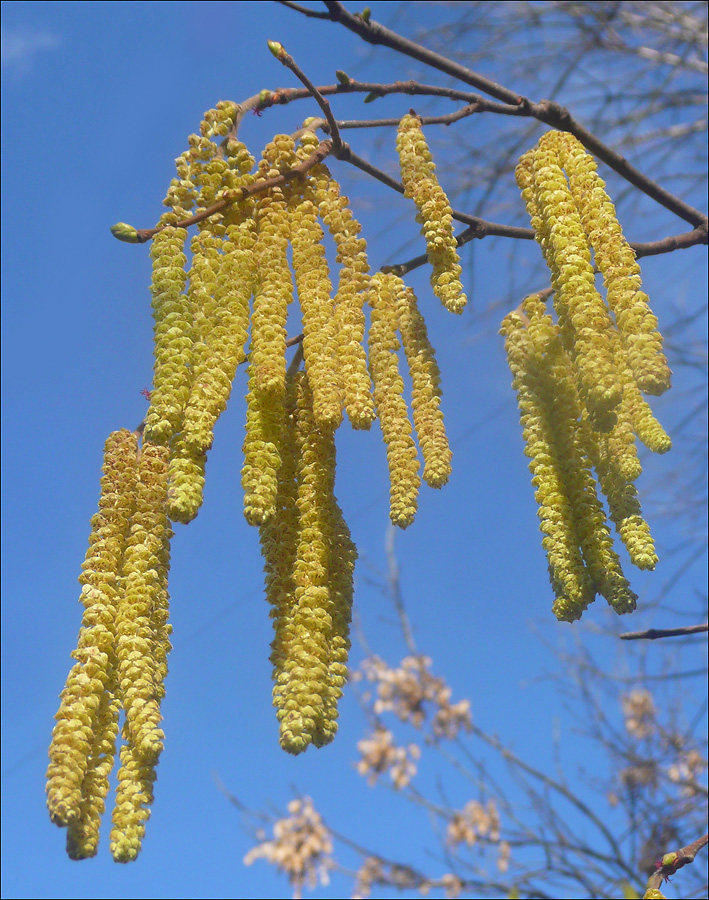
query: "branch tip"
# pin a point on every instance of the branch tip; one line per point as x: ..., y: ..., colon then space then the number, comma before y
x: 277, y: 49
x: 126, y: 233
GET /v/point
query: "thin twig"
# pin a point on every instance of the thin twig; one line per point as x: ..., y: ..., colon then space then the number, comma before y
x: 310, y: 13
x: 652, y: 634
x: 233, y: 196
x: 375, y: 33
x: 279, y: 51
x: 672, y: 862
x: 547, y: 111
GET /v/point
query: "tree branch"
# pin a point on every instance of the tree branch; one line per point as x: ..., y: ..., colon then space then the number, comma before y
x: 547, y: 111
x: 652, y: 634
x: 374, y: 33
x: 141, y: 235
x: 673, y: 862
x: 284, y: 57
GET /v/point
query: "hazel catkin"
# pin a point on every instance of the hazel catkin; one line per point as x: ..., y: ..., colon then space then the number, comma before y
x: 434, y: 212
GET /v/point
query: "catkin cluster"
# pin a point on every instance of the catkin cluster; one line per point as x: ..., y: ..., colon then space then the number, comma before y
x: 580, y: 379
x: 251, y: 257
x: 121, y: 658
x: 258, y: 246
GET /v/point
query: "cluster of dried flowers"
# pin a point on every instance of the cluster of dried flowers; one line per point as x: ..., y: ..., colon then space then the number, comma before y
x: 580, y: 380
x: 301, y: 847
x: 234, y: 282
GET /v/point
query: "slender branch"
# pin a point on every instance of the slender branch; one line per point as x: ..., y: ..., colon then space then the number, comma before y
x: 448, y: 119
x: 291, y: 342
x: 484, y: 229
x: 547, y: 111
x: 375, y: 33
x: 141, y: 235
x: 375, y: 90
x: 310, y: 13
x: 284, y: 57
x: 550, y: 783
x: 480, y: 227
x: 652, y: 634
x: 674, y: 861
x: 559, y: 117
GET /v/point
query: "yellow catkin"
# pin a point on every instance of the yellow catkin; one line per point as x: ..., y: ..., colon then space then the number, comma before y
x: 426, y: 388
x: 134, y: 797
x: 83, y: 832
x: 173, y: 334
x: 312, y: 280
x: 643, y: 422
x: 83, y: 739
x: 434, y: 212
x: 621, y: 273
x: 279, y: 544
x: 333, y: 208
x: 343, y: 555
x: 141, y: 611
x: 571, y: 582
x: 142, y: 647
x: 583, y: 316
x: 221, y: 289
x: 563, y: 415
x: 273, y: 288
x: 218, y: 122
x: 623, y: 503
x: 186, y: 480
x: 402, y: 458
x: 311, y: 643
x: 265, y: 416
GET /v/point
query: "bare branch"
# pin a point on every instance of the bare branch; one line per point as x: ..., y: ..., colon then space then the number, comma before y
x: 310, y: 13
x: 233, y: 196
x: 284, y: 57
x: 674, y: 861
x: 547, y: 111
x: 652, y: 634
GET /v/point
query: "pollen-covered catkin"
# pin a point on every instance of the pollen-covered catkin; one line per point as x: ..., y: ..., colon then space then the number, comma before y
x: 141, y: 611
x: 583, y: 316
x: 173, y: 333
x: 616, y: 261
x: 142, y: 646
x: 564, y: 413
x: 265, y: 417
x: 221, y: 282
x: 273, y: 288
x: 311, y: 643
x: 312, y: 280
x: 82, y: 834
x: 571, y: 582
x: 434, y: 212
x: 185, y: 480
x: 402, y: 458
x: 333, y: 208
x: 83, y: 742
x: 134, y: 797
x: 623, y: 503
x: 426, y: 388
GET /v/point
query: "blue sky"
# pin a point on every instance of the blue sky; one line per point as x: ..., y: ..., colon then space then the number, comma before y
x: 98, y: 101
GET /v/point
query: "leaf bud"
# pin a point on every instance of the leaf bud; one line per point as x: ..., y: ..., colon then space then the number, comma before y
x: 277, y: 49
x: 124, y: 232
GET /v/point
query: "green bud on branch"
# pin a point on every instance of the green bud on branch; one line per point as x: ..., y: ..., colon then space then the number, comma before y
x: 126, y: 233
x: 277, y: 48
